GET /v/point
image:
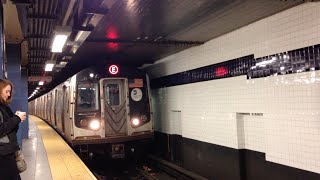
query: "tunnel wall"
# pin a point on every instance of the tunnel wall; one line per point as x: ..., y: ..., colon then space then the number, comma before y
x: 240, y: 128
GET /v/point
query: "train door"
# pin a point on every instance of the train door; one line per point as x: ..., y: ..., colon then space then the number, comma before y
x: 53, y: 104
x: 59, y: 108
x: 45, y: 103
x: 49, y: 107
x: 55, y: 107
x: 64, y: 107
x: 41, y: 107
x: 114, y: 106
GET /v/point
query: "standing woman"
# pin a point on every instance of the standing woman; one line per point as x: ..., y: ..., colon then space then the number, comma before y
x: 9, y: 124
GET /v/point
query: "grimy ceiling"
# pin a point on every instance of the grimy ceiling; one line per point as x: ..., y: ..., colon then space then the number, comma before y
x: 126, y: 32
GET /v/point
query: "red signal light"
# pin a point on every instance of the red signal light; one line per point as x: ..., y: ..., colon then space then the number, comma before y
x: 221, y: 71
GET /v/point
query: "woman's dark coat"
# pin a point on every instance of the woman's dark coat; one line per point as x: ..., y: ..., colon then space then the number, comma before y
x: 8, y: 126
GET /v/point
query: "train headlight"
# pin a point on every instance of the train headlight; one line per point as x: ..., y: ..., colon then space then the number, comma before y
x: 135, y: 121
x: 94, y: 124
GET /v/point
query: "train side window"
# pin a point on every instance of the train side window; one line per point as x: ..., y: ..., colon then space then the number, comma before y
x: 87, y: 97
x: 112, y: 94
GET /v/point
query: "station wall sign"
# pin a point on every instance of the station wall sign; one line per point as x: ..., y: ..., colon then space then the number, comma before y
x: 40, y: 78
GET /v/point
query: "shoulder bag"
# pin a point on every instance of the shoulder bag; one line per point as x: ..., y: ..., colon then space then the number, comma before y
x: 21, y: 163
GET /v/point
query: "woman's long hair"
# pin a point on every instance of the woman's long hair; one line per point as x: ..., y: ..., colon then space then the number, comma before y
x: 3, y: 84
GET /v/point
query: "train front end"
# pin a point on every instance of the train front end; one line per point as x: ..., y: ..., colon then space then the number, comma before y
x: 113, y: 113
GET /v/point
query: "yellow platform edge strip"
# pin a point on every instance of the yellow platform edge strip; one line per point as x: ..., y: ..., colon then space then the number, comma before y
x: 63, y: 161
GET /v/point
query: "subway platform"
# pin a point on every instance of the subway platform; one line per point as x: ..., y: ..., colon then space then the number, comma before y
x: 48, y: 156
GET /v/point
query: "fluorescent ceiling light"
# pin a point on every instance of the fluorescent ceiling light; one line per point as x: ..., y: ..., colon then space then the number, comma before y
x: 60, y: 38
x: 41, y: 83
x: 67, y: 57
x: 58, y: 42
x: 49, y: 65
x: 79, y: 39
x: 63, y: 63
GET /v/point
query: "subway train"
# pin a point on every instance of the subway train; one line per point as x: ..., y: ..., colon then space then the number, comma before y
x: 100, y: 110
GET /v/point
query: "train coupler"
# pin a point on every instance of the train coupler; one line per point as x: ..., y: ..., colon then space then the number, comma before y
x: 84, y: 151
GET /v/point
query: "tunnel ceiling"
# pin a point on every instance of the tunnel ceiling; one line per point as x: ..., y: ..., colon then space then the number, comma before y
x: 127, y: 32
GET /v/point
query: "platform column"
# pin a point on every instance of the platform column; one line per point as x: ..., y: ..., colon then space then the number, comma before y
x: 2, y: 60
x: 18, y: 76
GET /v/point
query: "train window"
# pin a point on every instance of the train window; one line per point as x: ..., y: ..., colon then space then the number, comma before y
x: 112, y: 94
x: 87, y: 97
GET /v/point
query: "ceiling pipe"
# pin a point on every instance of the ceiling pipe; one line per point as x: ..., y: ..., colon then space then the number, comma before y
x: 87, y: 25
x: 69, y: 10
x: 88, y: 22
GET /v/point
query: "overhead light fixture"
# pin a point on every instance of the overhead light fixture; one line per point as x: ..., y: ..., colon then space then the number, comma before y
x: 62, y: 64
x: 58, y: 43
x: 60, y: 38
x: 67, y: 57
x: 41, y: 83
x: 49, y: 65
x: 79, y: 39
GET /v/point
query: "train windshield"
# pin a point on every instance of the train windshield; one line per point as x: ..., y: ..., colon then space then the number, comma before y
x: 112, y: 94
x: 87, y: 97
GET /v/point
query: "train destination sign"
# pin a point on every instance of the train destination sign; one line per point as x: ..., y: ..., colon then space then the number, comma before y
x: 113, y: 69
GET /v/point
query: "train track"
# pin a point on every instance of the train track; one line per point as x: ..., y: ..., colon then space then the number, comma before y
x: 174, y: 170
x: 151, y: 168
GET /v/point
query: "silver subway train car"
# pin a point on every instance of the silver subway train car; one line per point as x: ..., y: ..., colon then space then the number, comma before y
x: 99, y: 109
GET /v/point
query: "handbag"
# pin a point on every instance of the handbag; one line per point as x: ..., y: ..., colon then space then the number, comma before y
x: 21, y: 163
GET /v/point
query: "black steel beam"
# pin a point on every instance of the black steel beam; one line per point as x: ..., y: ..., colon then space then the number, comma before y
x: 37, y: 63
x: 31, y: 16
x: 38, y: 57
x: 99, y: 11
x: 147, y: 42
x: 81, y: 28
x: 21, y: 2
x: 37, y: 37
x: 40, y: 49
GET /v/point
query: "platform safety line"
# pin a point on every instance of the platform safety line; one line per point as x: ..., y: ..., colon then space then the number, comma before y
x: 63, y: 161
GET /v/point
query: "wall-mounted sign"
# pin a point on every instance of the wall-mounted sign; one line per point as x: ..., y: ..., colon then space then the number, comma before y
x: 40, y: 78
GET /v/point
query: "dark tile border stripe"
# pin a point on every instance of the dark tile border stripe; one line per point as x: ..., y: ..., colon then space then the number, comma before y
x: 295, y: 61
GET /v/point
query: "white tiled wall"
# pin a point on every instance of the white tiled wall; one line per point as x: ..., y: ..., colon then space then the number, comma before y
x: 251, y: 132
x: 289, y: 130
